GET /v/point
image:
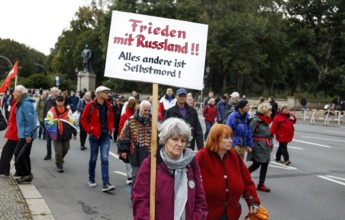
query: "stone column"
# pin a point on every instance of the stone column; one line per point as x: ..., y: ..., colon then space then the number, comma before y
x: 86, y: 80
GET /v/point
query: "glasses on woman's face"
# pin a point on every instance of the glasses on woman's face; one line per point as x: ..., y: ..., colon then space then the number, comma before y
x: 59, y: 100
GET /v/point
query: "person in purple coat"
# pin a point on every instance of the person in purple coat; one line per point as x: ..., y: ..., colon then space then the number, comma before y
x: 179, y: 191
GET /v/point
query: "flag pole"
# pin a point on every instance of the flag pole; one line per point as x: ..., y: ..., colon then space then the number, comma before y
x: 15, y: 81
x: 153, y: 150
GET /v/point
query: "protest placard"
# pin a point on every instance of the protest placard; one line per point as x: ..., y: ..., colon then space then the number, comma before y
x: 157, y: 50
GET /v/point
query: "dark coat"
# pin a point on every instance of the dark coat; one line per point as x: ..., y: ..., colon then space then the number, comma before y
x: 196, y: 207
x: 192, y: 119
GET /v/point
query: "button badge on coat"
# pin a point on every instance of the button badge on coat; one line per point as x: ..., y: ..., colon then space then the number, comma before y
x: 191, y: 184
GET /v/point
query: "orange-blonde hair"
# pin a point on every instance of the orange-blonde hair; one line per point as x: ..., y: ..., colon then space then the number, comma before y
x: 216, y: 135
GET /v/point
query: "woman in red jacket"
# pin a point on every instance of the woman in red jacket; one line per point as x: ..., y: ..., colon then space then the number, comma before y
x: 225, y: 177
x: 282, y: 127
x: 210, y: 114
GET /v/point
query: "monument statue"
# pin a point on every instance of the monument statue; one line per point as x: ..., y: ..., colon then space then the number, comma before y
x: 86, y: 54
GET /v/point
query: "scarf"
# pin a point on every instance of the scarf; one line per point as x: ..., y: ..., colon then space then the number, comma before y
x: 266, y: 120
x: 180, y: 183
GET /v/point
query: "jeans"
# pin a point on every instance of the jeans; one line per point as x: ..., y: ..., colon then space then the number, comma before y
x: 103, y: 144
x: 208, y: 127
x: 282, y: 150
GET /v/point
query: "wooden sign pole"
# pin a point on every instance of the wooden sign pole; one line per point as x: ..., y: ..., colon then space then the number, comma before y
x: 153, y: 150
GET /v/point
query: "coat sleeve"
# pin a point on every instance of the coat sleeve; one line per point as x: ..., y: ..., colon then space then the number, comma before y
x: 199, y: 137
x: 123, y: 142
x: 160, y: 111
x: 249, y: 135
x: 85, y: 118
x: 141, y: 192
x: 274, y: 125
x: 200, y: 207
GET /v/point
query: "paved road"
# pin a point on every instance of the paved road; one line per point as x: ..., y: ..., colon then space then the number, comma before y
x: 312, y: 187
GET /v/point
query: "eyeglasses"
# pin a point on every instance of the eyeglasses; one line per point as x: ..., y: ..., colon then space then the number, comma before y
x: 59, y: 100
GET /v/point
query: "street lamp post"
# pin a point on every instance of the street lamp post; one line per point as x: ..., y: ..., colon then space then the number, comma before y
x: 46, y: 71
x: 208, y: 69
x: 8, y: 60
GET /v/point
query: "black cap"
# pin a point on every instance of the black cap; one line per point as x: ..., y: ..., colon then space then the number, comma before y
x: 60, y: 97
x: 242, y: 103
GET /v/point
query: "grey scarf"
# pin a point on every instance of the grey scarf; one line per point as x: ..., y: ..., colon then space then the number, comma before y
x: 180, y: 183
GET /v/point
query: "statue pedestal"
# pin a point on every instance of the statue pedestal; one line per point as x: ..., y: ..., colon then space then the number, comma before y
x: 86, y: 80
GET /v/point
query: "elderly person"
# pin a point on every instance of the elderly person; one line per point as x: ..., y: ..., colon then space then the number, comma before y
x: 180, y: 194
x: 134, y: 142
x: 61, y: 117
x: 225, y: 177
x: 26, y: 123
x: 262, y: 143
x: 283, y: 128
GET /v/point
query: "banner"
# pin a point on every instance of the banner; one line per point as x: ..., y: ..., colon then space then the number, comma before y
x: 12, y: 74
x: 157, y: 50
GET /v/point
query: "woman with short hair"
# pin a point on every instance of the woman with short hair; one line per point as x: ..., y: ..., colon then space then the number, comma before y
x: 179, y: 191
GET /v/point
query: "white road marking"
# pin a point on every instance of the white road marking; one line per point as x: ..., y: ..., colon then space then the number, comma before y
x: 292, y: 147
x: 119, y: 172
x: 311, y: 143
x: 335, y: 177
x: 114, y: 155
x: 339, y: 132
x: 332, y: 180
x: 325, y: 139
x: 281, y: 166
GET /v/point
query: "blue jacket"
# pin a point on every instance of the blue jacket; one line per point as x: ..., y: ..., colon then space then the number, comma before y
x: 73, y: 102
x: 26, y: 117
x: 241, y: 130
x: 221, y: 110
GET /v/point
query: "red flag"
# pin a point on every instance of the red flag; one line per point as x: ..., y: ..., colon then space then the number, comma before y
x: 12, y: 74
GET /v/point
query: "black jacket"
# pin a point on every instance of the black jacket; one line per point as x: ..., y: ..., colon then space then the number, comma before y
x: 192, y: 119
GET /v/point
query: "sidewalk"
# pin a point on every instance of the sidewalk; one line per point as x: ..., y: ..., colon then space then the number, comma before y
x: 21, y: 202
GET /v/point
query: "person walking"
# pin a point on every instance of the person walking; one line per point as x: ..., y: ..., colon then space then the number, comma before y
x: 238, y: 121
x: 26, y: 119
x: 189, y: 115
x: 178, y: 178
x: 80, y: 108
x: 274, y: 105
x: 210, y: 114
x: 303, y: 104
x: 135, y: 138
x: 98, y: 121
x: 283, y: 129
x: 117, y: 107
x: 262, y: 143
x: 49, y: 103
x: 40, y: 106
x: 225, y: 177
x: 61, y: 117
x: 132, y: 106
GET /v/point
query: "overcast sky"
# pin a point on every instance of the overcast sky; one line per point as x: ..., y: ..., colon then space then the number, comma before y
x: 36, y: 23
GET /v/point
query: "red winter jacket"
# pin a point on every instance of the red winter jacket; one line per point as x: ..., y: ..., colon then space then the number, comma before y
x: 196, y: 203
x: 91, y: 123
x: 225, y: 181
x: 128, y: 113
x: 12, y: 130
x: 282, y: 127
x: 210, y: 113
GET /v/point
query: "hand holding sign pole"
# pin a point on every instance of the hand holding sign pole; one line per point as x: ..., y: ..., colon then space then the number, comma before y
x: 159, y: 51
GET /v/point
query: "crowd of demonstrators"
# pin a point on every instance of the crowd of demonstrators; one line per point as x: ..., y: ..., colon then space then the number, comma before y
x: 283, y: 129
x: 238, y: 121
x: 117, y: 108
x: 225, y: 176
x: 98, y: 121
x: 135, y: 139
x: 189, y: 115
x: 26, y: 123
x: 166, y: 102
x: 60, y: 117
x: 50, y: 101
x: 80, y: 108
x: 40, y: 106
x: 263, y: 144
x: 210, y: 115
x: 179, y: 190
x: 132, y: 106
x: 12, y: 139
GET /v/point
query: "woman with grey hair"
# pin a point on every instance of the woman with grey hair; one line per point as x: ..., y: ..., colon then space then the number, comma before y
x: 262, y: 143
x: 180, y: 194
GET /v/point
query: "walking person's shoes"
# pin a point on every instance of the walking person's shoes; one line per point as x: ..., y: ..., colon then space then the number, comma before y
x: 25, y: 179
x: 279, y: 161
x: 83, y: 148
x: 92, y: 183
x: 129, y: 181
x: 287, y: 163
x: 60, y: 169
x: 47, y: 157
x: 108, y: 187
x: 263, y: 188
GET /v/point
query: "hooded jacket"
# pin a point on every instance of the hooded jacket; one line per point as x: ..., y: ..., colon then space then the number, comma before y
x: 282, y: 127
x: 242, y: 133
